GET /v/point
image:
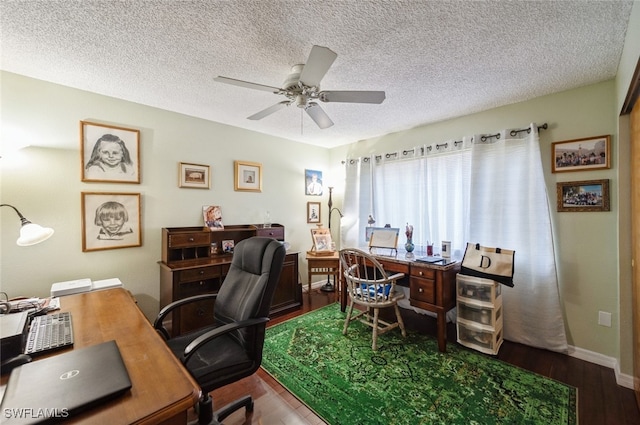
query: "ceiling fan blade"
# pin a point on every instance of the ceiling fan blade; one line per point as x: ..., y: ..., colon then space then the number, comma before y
x: 270, y: 110
x: 319, y: 115
x: 319, y: 61
x: 246, y: 84
x: 352, y: 96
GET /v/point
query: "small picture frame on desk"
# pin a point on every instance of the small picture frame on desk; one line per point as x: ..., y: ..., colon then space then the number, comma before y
x: 322, y: 242
x: 227, y: 246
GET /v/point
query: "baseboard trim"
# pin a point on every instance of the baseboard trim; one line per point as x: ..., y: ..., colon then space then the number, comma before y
x: 622, y: 379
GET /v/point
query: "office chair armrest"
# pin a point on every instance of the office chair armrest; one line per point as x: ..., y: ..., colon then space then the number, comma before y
x: 158, y: 323
x: 217, y: 332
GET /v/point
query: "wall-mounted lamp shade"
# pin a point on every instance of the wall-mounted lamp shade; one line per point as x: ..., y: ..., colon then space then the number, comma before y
x: 30, y: 233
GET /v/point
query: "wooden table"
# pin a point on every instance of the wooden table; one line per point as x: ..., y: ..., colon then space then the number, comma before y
x: 325, y: 265
x: 162, y: 390
x: 431, y: 287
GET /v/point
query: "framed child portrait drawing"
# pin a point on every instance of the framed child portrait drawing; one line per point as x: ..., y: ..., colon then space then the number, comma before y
x: 109, y: 153
x: 110, y: 221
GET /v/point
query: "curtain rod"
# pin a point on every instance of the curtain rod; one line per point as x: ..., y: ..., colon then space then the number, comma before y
x: 484, y: 138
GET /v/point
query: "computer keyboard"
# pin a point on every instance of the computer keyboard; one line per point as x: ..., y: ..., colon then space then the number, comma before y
x: 49, y: 332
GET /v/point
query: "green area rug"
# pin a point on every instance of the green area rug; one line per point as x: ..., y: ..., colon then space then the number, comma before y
x: 407, y: 381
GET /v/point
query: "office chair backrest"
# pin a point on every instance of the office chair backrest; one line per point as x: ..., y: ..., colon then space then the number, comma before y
x: 247, y: 291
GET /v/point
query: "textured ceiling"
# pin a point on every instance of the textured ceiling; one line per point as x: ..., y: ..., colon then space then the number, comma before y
x: 434, y: 59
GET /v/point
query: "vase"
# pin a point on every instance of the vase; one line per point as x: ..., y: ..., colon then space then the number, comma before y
x: 409, y: 245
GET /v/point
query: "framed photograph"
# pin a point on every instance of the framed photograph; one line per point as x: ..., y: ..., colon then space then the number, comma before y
x: 313, y: 212
x: 313, y: 182
x: 110, y: 221
x: 109, y: 153
x: 582, y: 196
x: 248, y: 176
x: 384, y: 237
x: 322, y: 241
x: 592, y: 153
x: 227, y: 246
x: 194, y: 175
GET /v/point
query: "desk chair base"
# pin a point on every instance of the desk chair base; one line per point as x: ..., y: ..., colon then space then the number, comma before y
x: 206, y: 415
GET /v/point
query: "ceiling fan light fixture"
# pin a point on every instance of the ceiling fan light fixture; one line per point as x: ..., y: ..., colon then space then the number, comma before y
x: 301, y: 101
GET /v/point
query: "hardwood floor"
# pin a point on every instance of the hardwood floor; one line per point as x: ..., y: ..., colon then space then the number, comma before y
x: 600, y: 399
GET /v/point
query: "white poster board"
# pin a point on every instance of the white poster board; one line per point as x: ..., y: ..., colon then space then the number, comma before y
x: 384, y: 237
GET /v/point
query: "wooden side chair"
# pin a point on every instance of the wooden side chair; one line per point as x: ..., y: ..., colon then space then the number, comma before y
x: 369, y: 286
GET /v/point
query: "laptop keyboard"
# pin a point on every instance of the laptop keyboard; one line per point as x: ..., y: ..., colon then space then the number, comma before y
x: 49, y: 332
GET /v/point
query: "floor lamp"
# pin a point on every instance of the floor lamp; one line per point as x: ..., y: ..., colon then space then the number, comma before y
x: 30, y: 233
x: 330, y: 287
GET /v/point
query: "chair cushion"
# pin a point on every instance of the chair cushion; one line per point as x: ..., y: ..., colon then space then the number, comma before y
x: 223, y: 356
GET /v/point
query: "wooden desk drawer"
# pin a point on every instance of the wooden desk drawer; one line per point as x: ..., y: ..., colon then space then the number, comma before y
x: 423, y: 290
x: 423, y: 272
x: 188, y: 239
x: 199, y: 274
x: 204, y: 286
x: 271, y: 232
x: 394, y: 267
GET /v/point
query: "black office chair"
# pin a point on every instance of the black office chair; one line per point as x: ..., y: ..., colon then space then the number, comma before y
x: 231, y: 348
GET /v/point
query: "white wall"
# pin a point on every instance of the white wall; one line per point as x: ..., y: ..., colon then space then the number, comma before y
x: 44, y: 183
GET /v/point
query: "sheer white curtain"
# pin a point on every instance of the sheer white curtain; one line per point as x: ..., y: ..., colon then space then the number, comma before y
x: 510, y: 209
x: 492, y: 193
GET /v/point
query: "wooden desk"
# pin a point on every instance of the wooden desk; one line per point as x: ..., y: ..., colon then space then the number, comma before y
x: 162, y: 390
x: 324, y: 265
x: 431, y: 288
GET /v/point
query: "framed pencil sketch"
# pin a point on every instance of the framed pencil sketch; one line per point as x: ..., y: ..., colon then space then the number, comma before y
x: 194, y: 175
x: 313, y: 212
x: 592, y: 153
x: 313, y: 182
x: 109, y: 153
x: 582, y: 196
x: 248, y: 176
x: 110, y: 220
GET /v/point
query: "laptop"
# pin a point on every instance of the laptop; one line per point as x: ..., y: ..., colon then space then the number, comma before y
x: 55, y: 388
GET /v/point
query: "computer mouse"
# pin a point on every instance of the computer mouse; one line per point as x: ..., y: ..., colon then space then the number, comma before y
x: 9, y: 364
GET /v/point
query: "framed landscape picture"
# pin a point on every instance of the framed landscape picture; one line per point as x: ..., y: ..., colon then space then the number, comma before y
x: 582, y: 196
x: 194, y: 175
x: 109, y: 153
x: 110, y: 221
x: 592, y: 153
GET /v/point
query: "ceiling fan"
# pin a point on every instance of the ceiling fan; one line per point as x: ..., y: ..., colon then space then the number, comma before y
x: 302, y: 88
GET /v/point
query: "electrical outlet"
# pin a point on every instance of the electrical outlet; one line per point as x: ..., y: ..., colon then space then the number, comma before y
x: 604, y: 318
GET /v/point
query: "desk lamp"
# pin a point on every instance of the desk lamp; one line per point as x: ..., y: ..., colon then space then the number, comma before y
x: 329, y: 287
x: 30, y: 233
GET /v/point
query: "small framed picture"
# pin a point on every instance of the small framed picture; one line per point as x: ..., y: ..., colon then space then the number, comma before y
x: 313, y: 182
x: 592, y: 153
x: 110, y: 221
x: 193, y: 175
x: 322, y: 241
x: 313, y: 212
x: 227, y: 246
x: 583, y: 196
x: 109, y: 153
x: 248, y: 176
